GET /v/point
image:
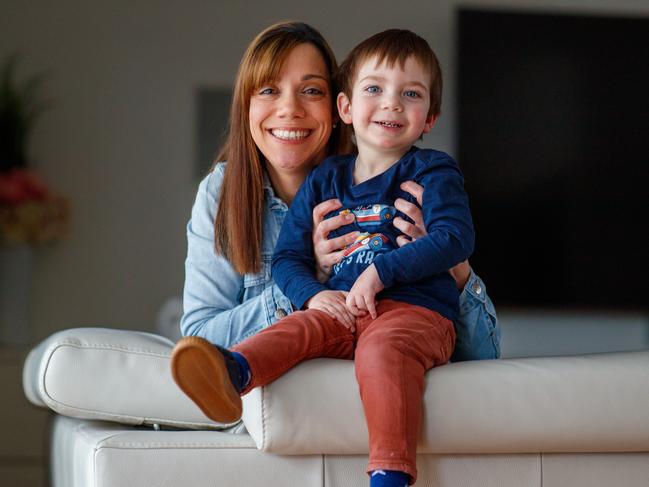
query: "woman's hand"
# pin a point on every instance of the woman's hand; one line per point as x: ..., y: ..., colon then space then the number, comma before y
x: 461, y: 271
x: 418, y: 229
x: 328, y: 253
x: 362, y: 296
x: 333, y: 303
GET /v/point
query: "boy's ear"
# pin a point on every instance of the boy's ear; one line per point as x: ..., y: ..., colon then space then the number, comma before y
x: 344, y: 108
x: 430, y: 123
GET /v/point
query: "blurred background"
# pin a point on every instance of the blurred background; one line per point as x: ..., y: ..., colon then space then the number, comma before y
x: 121, y: 141
x: 135, y: 95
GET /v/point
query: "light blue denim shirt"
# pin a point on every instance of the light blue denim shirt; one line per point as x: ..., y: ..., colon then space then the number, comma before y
x: 226, y: 307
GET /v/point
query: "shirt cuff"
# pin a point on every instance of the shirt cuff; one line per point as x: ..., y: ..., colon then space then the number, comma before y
x: 474, y: 288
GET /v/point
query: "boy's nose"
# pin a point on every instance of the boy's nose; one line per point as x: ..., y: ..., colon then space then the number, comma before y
x: 290, y: 106
x: 392, y: 103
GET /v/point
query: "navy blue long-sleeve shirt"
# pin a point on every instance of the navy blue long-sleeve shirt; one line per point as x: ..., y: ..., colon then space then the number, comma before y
x: 415, y: 273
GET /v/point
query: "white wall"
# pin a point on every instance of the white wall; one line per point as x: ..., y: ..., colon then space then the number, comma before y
x: 119, y: 141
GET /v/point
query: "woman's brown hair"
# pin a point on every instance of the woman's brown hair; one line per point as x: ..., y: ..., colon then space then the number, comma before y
x: 238, y: 225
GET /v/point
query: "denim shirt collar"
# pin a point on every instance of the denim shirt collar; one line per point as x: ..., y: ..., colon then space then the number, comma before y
x: 272, y: 201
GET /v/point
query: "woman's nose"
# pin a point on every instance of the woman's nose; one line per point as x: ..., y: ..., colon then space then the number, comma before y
x: 290, y: 106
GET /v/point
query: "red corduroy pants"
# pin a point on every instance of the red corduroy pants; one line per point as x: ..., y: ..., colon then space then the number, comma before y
x: 391, y: 354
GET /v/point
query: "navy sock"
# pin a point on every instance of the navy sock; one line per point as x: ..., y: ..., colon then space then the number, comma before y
x: 388, y: 478
x: 244, y: 369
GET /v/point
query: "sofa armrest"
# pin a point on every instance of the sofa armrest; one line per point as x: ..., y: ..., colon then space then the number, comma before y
x: 112, y: 375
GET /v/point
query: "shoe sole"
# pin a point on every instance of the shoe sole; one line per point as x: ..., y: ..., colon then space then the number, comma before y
x: 199, y: 370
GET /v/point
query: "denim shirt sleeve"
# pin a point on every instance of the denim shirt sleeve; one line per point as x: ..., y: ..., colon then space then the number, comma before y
x: 477, y: 329
x: 219, y: 304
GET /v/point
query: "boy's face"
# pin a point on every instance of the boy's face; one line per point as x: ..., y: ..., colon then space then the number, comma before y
x: 388, y: 107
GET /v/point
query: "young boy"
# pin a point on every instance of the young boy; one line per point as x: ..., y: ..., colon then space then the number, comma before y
x: 391, y: 91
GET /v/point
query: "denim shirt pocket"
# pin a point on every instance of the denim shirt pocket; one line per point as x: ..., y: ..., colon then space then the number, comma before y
x: 254, y: 283
x: 260, y: 284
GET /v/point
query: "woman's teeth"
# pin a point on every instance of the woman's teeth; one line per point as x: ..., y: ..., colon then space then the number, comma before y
x: 290, y: 134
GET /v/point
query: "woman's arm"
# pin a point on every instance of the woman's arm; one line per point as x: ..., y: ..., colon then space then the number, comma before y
x: 477, y: 328
x: 219, y: 304
x: 478, y: 331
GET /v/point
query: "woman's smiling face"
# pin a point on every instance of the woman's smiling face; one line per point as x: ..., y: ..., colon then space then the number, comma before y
x: 291, y: 116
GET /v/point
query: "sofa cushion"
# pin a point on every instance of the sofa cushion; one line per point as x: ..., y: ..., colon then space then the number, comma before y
x: 114, y: 375
x: 98, y: 454
x: 589, y: 403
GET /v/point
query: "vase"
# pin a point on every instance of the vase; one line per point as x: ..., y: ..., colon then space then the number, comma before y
x: 16, y: 264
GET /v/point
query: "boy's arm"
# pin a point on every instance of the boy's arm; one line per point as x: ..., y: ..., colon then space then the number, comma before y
x: 293, y: 267
x: 450, y: 237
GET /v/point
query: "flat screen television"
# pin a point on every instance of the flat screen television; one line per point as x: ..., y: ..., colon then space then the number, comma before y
x: 553, y: 140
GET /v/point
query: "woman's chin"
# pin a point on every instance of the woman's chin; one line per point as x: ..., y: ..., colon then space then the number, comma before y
x: 291, y: 165
x: 295, y: 161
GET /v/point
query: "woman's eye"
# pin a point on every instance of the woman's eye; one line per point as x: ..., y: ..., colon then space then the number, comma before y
x: 313, y: 91
x: 266, y: 91
x: 411, y: 94
x: 373, y: 89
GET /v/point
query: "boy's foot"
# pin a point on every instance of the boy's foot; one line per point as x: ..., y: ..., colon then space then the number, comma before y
x: 208, y: 374
x: 388, y: 478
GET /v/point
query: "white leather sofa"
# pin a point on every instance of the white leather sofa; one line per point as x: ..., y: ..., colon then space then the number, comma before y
x: 552, y: 422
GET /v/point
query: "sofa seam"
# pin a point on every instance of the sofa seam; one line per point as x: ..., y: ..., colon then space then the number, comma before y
x: 106, y: 346
x: 173, y: 446
x: 95, y: 453
x: 263, y: 418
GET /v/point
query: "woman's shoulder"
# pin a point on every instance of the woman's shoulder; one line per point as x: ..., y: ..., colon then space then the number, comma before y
x: 210, y: 185
x: 209, y: 191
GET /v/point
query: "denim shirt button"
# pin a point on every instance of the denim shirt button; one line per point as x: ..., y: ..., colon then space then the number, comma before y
x: 280, y: 313
x: 477, y: 288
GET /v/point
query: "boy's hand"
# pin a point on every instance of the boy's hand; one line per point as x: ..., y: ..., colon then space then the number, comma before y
x: 362, y: 295
x: 333, y: 303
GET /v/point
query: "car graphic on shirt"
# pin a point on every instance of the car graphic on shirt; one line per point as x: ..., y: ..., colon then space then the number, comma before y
x: 372, y: 214
x: 366, y: 241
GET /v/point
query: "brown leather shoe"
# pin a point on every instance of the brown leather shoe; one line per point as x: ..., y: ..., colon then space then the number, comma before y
x: 204, y: 372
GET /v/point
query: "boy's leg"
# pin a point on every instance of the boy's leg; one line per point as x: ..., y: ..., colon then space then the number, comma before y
x: 392, y: 354
x: 211, y: 376
x: 300, y: 336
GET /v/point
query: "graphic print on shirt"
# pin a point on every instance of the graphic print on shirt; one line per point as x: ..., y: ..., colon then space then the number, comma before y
x: 363, y: 249
x: 370, y: 215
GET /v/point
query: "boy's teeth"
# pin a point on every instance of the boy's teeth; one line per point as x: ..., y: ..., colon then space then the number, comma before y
x: 290, y: 134
x: 389, y: 124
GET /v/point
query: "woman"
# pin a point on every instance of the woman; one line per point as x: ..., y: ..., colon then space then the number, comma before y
x: 282, y: 123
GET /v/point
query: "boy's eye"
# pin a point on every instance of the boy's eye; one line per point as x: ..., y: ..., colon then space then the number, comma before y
x: 373, y: 89
x: 411, y: 94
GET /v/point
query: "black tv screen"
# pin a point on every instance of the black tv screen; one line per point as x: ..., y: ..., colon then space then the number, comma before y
x: 553, y: 140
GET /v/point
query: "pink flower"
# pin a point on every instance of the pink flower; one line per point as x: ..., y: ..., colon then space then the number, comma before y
x: 29, y: 212
x: 21, y: 185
